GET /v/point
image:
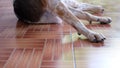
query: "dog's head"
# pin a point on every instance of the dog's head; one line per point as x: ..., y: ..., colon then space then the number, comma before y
x: 29, y: 10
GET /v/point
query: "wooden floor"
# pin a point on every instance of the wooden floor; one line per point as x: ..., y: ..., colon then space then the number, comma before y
x: 55, y: 45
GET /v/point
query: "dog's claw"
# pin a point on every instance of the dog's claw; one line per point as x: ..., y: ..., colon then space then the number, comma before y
x: 79, y: 34
x: 90, y: 22
x: 102, y: 10
x: 104, y: 38
x: 95, y: 41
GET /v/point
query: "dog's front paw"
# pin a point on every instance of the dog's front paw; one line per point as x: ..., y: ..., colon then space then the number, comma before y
x: 104, y: 20
x: 96, y: 37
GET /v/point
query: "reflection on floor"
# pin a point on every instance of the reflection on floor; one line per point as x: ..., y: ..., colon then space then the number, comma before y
x: 57, y: 46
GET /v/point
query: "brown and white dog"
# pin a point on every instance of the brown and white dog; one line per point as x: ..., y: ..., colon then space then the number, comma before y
x: 70, y: 11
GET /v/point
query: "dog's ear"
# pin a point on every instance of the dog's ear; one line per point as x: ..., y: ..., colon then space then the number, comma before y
x: 29, y: 10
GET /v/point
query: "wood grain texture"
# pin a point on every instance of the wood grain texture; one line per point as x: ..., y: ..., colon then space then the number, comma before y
x: 57, y: 46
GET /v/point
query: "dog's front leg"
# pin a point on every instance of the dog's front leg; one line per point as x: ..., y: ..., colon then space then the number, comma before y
x: 87, y: 16
x: 62, y: 10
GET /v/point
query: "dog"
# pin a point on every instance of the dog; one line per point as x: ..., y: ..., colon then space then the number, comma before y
x: 70, y: 11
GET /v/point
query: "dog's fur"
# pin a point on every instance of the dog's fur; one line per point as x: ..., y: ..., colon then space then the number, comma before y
x: 37, y: 11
